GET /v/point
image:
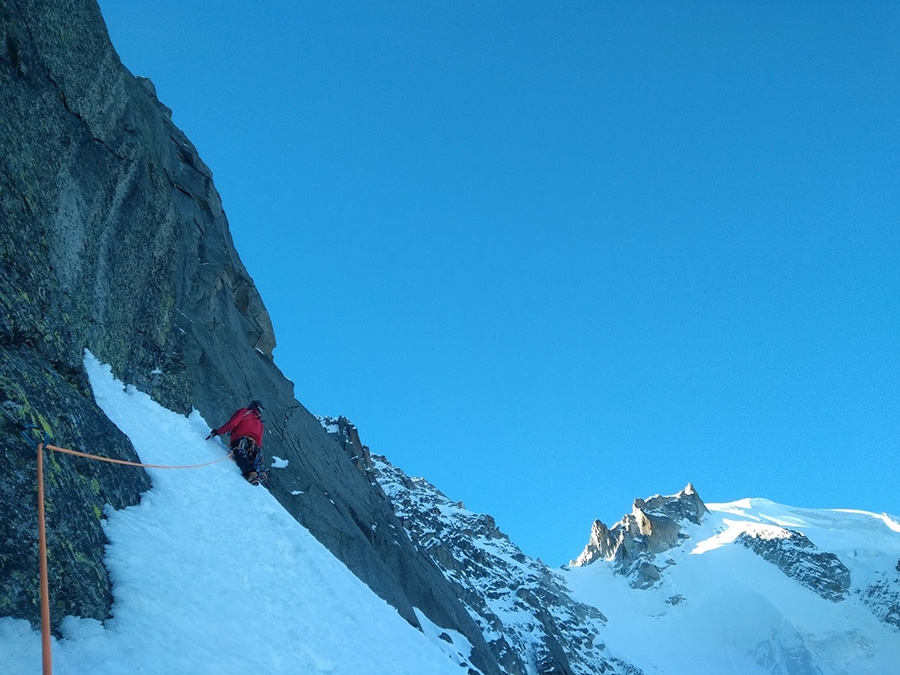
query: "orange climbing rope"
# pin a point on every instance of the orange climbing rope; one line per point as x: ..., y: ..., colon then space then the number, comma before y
x: 100, y: 458
x: 46, y: 654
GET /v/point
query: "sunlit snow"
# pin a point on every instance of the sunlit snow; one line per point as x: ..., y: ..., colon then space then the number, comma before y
x: 211, y: 575
x: 720, y: 608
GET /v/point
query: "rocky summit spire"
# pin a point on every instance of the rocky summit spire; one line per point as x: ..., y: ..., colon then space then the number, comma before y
x: 654, y: 525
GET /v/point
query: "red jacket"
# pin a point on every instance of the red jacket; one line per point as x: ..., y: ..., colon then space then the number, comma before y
x: 244, y: 422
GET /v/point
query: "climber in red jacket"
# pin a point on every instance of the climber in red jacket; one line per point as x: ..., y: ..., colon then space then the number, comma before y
x: 245, y: 429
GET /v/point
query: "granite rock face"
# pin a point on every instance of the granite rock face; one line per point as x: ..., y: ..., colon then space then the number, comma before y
x: 654, y: 526
x: 114, y: 240
x: 77, y: 491
x: 346, y: 434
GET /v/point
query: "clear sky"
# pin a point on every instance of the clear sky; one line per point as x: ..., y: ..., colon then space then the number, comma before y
x: 557, y: 256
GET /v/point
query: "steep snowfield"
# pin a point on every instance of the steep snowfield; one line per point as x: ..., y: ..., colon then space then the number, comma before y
x: 721, y: 608
x: 212, y: 575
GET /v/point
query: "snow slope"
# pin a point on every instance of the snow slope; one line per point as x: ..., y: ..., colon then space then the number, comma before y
x: 212, y: 575
x: 721, y: 608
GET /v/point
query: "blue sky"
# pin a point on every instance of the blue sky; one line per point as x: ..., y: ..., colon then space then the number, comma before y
x: 557, y: 256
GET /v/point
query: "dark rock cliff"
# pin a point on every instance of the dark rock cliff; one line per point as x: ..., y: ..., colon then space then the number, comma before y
x: 114, y: 240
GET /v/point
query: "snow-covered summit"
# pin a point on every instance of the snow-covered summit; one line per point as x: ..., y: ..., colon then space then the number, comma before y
x: 677, y: 586
x: 757, y: 587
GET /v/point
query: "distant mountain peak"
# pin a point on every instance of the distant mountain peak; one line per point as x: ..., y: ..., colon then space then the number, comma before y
x: 654, y: 525
x: 745, y: 576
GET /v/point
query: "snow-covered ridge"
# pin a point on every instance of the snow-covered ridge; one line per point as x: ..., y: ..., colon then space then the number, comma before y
x: 758, y: 588
x: 848, y: 552
x: 524, y: 608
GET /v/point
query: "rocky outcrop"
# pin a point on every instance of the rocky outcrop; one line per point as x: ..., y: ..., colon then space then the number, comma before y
x: 77, y: 492
x: 794, y: 554
x: 654, y: 526
x: 114, y: 239
x: 523, y: 607
x: 882, y: 596
x: 346, y: 434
